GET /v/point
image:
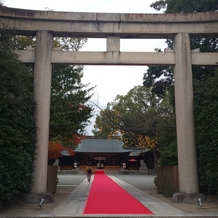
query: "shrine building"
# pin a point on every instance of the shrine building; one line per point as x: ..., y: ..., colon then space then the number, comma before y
x: 109, y: 153
x: 100, y: 152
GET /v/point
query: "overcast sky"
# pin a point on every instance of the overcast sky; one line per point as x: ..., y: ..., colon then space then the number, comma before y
x: 110, y: 80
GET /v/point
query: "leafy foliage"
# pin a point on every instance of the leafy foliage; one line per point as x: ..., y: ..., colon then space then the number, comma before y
x: 166, y: 129
x: 18, y: 131
x: 138, y: 118
x: 205, y: 93
x: 206, y: 123
x: 69, y: 111
x: 54, y: 150
x: 129, y: 115
x: 17, y: 123
x: 185, y: 6
x: 158, y: 78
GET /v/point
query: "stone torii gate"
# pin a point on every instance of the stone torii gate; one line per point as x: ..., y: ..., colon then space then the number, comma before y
x: 179, y: 27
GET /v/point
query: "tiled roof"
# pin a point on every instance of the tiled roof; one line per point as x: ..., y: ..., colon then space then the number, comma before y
x: 137, y: 152
x: 98, y: 145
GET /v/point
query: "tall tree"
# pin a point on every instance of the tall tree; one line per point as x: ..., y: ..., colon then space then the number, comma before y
x: 17, y: 123
x: 70, y: 111
x: 159, y: 79
x: 202, y: 76
x: 206, y: 125
x: 136, y: 117
x: 162, y: 77
x: 185, y: 6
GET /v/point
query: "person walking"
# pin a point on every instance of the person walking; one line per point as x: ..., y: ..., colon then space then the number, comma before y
x: 89, y: 172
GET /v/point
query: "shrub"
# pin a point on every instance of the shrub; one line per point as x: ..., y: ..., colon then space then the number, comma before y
x: 206, y: 125
x: 17, y: 123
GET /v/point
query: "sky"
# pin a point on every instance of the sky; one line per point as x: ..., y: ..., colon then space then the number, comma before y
x: 109, y: 80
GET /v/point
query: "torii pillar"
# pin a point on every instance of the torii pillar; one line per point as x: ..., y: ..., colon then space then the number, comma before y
x: 187, y: 154
x: 42, y: 95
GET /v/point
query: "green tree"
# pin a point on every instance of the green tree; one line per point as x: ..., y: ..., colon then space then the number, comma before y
x: 17, y: 123
x: 203, y: 77
x: 138, y: 118
x: 70, y: 112
x: 158, y: 78
x: 185, y: 6
x: 162, y: 77
x: 124, y: 113
x: 166, y: 129
x: 206, y: 125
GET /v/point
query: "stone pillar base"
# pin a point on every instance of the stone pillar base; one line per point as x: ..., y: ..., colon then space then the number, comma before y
x: 35, y: 198
x: 180, y: 197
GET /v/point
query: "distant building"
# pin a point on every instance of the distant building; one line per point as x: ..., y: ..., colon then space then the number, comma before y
x: 110, y: 152
x: 101, y: 152
x: 97, y: 151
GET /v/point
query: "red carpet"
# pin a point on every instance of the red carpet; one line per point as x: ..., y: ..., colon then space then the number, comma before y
x: 106, y: 197
x: 99, y: 172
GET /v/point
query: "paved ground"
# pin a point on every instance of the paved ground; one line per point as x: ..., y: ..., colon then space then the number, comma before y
x: 210, y: 207
x: 73, y: 190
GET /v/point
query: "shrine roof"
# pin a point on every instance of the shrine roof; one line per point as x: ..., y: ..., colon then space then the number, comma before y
x: 99, y: 145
